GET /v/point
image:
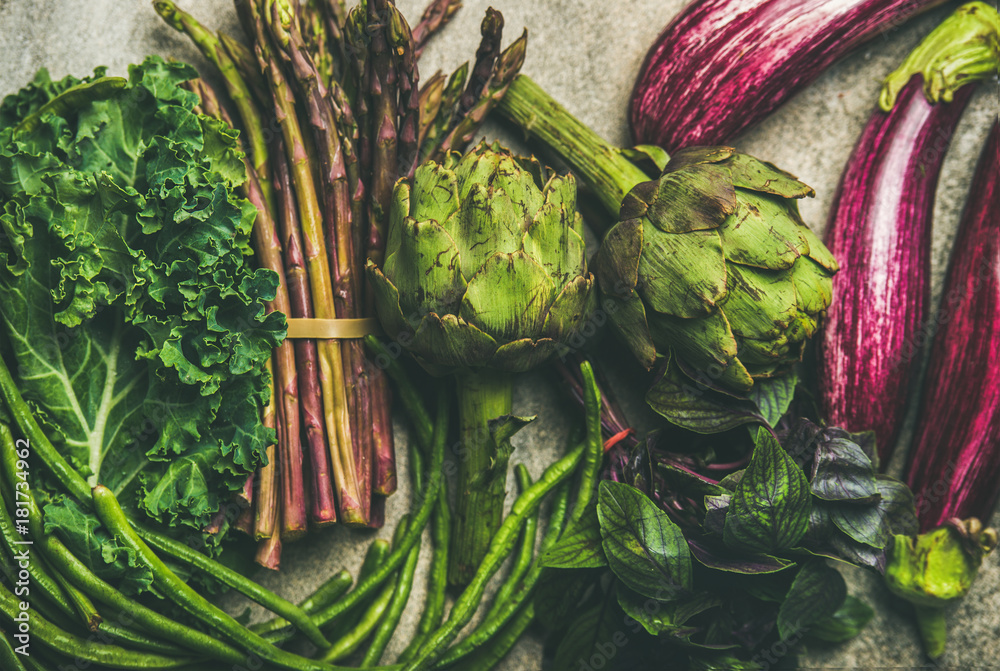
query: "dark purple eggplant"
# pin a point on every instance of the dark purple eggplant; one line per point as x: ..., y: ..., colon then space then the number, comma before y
x: 954, y: 463
x: 880, y: 225
x: 723, y: 65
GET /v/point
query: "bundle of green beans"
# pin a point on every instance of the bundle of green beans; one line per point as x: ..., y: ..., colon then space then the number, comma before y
x: 331, y: 113
x: 75, y: 616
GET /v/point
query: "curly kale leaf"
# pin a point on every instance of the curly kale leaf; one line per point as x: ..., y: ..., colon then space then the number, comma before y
x: 136, y: 325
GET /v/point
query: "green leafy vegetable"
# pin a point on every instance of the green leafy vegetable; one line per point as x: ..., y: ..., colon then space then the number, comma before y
x: 842, y: 471
x: 94, y: 546
x: 697, y: 407
x: 817, y: 592
x: 580, y: 544
x: 135, y: 322
x: 845, y: 624
x: 769, y: 510
x: 595, y: 633
x: 644, y: 548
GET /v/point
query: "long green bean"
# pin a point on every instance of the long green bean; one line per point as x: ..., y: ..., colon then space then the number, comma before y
x: 525, y: 552
x: 437, y: 582
x: 178, y: 591
x: 8, y: 658
x: 78, y: 487
x: 500, y: 547
x: 404, y: 584
x: 489, y: 627
x: 490, y: 655
x: 26, y: 557
x: 38, y: 663
x: 227, y: 576
x: 413, y: 533
x: 66, y: 564
x: 193, y: 640
x: 334, y: 588
x: 136, y: 639
x: 84, y: 607
x: 40, y: 444
x: 23, y: 551
x: 595, y: 444
x: 363, y: 627
x: 111, y: 656
x: 377, y: 553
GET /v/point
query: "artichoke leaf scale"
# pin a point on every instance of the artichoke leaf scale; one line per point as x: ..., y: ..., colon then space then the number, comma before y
x: 751, y: 173
x: 390, y: 314
x: 452, y: 342
x: 425, y: 269
x: 485, y: 224
x: 697, y: 155
x: 631, y: 324
x: 434, y: 194
x: 812, y: 286
x: 551, y: 241
x: 760, y: 304
x: 759, y: 233
x: 508, y: 297
x: 561, y: 192
x: 617, y: 261
x: 522, y: 355
x: 694, y: 198
x: 684, y: 274
x: 571, y: 308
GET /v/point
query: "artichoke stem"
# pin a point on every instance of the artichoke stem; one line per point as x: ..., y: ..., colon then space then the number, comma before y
x: 933, y: 629
x: 482, y: 470
x: 594, y: 160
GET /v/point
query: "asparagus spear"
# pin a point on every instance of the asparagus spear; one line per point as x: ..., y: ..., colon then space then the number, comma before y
x: 331, y: 362
x: 435, y: 16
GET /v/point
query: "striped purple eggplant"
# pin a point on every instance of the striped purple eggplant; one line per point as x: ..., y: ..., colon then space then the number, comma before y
x: 880, y: 224
x: 723, y: 65
x: 954, y: 463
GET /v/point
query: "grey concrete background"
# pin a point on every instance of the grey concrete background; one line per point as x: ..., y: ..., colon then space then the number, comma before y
x: 586, y: 53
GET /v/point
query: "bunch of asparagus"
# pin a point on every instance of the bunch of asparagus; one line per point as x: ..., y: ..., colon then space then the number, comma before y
x: 331, y: 114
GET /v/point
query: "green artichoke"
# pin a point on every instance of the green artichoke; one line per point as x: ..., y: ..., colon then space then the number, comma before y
x: 485, y: 263
x: 485, y: 275
x: 713, y: 262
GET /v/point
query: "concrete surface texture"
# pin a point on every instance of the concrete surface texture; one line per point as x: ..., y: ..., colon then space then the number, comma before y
x: 586, y: 54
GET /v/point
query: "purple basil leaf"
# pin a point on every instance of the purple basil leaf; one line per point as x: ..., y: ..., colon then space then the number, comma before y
x: 866, y: 441
x: 730, y: 482
x: 849, y: 550
x: 875, y: 523
x: 689, y: 482
x: 659, y: 617
x: 719, y: 558
x: 843, y: 472
x: 697, y: 408
x: 898, y: 504
x: 716, y: 508
x: 845, y: 624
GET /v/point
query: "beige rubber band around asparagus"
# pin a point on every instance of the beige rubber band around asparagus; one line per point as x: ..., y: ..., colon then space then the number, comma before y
x: 340, y: 329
